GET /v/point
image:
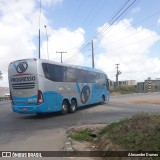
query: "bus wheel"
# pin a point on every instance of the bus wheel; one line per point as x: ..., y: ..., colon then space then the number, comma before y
x: 64, y: 108
x: 73, y: 106
x: 103, y: 99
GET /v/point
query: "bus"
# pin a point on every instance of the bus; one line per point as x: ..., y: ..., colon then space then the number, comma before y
x: 40, y: 86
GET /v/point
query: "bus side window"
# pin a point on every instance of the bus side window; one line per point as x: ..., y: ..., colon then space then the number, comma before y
x: 45, y: 69
x: 70, y: 74
x: 79, y: 76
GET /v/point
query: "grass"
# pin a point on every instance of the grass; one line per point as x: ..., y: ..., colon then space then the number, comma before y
x: 139, y: 133
x: 81, y: 135
x: 124, y: 89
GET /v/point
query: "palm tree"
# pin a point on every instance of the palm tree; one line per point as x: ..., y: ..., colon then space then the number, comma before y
x: 1, y: 77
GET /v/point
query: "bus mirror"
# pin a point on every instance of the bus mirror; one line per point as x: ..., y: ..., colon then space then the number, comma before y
x: 107, y: 84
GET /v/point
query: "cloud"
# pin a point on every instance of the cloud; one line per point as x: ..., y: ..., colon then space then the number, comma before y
x: 131, y: 48
x: 159, y: 21
x: 19, y: 25
x: 17, y: 30
x: 63, y: 40
x: 50, y: 2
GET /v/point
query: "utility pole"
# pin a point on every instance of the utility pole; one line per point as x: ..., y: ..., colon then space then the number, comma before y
x: 61, y: 55
x: 92, y: 54
x: 117, y: 74
x: 47, y: 41
x: 39, y: 45
x: 39, y: 29
x: 1, y: 77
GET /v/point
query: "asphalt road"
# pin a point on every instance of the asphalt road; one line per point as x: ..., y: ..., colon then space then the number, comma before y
x: 48, y: 133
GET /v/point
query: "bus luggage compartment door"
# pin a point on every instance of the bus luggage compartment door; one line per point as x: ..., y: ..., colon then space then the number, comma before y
x: 51, y: 102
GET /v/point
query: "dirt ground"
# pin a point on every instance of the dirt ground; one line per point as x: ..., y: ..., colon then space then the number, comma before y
x: 85, y: 146
x: 95, y: 128
x: 146, y: 101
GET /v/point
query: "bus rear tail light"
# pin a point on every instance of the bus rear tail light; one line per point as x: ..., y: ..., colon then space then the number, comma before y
x: 11, y: 98
x: 40, y: 97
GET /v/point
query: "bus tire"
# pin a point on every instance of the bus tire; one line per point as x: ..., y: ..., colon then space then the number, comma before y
x: 73, y: 106
x: 64, y: 108
x: 103, y: 99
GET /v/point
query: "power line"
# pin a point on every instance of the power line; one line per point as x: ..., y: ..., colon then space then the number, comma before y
x: 105, y: 29
x: 83, y: 47
x: 76, y: 13
x: 91, y: 12
x: 138, y: 23
x: 132, y: 43
x: 96, y: 13
x: 110, y: 19
x: 131, y: 34
x: 136, y: 33
x: 92, y: 54
x: 110, y: 25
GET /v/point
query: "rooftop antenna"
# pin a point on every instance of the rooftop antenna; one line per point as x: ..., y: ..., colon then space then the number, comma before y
x: 47, y: 40
x: 39, y: 28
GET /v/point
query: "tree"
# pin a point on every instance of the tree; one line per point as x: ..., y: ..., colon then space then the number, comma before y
x: 1, y: 77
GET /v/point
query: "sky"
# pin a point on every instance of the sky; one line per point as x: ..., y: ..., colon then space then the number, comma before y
x: 125, y: 32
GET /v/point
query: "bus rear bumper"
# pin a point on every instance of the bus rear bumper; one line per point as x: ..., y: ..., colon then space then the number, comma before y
x: 29, y: 109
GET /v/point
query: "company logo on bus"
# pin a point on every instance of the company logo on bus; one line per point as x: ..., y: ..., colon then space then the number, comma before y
x: 22, y: 67
x: 85, y: 93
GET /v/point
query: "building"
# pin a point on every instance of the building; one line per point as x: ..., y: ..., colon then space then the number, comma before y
x: 127, y: 83
x: 4, y: 91
x: 148, y: 86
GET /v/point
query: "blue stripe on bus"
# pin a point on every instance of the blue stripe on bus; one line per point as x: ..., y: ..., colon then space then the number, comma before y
x: 53, y: 100
x: 79, y: 91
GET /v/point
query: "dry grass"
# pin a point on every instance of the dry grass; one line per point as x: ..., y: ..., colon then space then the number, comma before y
x: 146, y: 101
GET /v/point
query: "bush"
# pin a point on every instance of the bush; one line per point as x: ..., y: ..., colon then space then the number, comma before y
x: 124, y: 89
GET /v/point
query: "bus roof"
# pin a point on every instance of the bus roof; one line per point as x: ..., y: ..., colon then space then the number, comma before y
x: 70, y: 65
x: 62, y: 64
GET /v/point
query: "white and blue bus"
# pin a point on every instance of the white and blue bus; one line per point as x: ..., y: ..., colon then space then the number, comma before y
x: 42, y: 86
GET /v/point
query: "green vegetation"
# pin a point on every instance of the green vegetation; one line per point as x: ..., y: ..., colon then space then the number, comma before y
x: 81, y: 135
x: 124, y: 89
x: 141, y: 132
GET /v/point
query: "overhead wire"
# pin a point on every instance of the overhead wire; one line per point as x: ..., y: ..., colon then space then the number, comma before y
x: 105, y: 26
x: 76, y: 13
x: 105, y: 29
x: 132, y: 43
x: 96, y: 13
x: 134, y: 34
x: 89, y: 15
x: 146, y: 18
x: 91, y: 12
